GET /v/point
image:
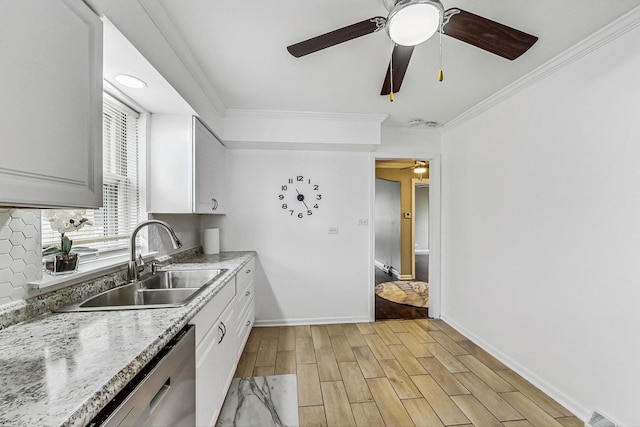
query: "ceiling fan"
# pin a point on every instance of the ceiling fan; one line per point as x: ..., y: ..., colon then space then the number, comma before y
x: 411, y: 22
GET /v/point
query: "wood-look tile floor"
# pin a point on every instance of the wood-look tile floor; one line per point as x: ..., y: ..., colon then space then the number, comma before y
x: 397, y: 373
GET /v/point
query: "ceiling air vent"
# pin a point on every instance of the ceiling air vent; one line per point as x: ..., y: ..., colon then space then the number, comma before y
x: 599, y: 420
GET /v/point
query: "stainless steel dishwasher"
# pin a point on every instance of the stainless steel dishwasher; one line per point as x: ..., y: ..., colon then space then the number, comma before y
x: 162, y: 394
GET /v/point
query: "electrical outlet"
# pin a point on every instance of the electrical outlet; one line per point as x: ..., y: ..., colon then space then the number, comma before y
x: 363, y: 221
x: 333, y: 230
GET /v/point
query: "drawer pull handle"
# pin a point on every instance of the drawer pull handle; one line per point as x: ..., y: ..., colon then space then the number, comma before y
x: 223, y: 328
x: 248, y: 322
x: 247, y: 294
x: 248, y: 271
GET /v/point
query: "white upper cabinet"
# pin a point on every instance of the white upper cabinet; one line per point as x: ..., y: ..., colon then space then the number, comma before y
x: 50, y: 104
x: 187, y: 167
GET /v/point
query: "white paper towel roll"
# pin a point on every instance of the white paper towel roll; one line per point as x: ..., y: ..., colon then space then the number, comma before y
x: 211, y: 241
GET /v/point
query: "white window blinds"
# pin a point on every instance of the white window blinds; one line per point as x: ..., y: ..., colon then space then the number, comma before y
x: 122, y: 206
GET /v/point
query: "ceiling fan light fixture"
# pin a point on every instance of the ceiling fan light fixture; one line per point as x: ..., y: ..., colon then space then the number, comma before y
x: 412, y: 22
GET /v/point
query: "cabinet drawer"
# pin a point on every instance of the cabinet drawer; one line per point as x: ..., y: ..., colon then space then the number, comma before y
x: 206, y: 317
x: 245, y: 275
x: 244, y: 326
x: 243, y: 298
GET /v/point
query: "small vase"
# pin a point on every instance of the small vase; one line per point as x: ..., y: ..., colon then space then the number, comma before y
x: 61, y: 264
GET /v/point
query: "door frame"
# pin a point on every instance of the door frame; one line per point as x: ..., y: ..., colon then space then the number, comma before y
x: 414, y: 183
x: 435, y: 249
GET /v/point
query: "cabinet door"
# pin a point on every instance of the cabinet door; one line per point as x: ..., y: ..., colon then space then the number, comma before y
x: 219, y: 176
x: 51, y: 104
x: 209, y: 161
x: 215, y: 366
x: 170, y: 160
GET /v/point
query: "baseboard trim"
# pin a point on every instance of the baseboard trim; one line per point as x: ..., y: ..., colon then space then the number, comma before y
x: 311, y: 321
x: 394, y: 273
x: 577, y: 409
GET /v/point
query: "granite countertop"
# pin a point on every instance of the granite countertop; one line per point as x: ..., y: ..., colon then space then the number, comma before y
x: 62, y: 368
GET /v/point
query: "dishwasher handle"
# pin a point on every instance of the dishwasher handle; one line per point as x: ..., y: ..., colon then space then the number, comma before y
x: 155, y: 400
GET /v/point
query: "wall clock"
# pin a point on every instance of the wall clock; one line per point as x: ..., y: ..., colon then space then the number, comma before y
x: 299, y: 197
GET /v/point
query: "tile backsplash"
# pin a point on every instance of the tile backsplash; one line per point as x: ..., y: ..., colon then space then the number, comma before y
x: 20, y: 252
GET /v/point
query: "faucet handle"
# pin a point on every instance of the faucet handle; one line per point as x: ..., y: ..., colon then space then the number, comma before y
x: 154, y: 267
x: 140, y: 264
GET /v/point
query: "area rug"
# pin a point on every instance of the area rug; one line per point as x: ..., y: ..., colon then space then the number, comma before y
x: 261, y: 402
x: 405, y: 292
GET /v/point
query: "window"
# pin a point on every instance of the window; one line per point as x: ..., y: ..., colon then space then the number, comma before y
x: 123, y: 195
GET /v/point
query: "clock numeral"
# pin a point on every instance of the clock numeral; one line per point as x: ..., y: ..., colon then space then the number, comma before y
x: 290, y: 180
x: 309, y: 212
x: 318, y: 196
x: 309, y: 180
x: 315, y: 187
x: 281, y: 197
x: 284, y: 206
x: 315, y: 206
x: 300, y: 215
x: 284, y: 187
x: 291, y: 210
x: 299, y: 178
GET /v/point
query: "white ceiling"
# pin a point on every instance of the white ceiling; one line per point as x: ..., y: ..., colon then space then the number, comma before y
x: 121, y: 57
x: 241, y: 48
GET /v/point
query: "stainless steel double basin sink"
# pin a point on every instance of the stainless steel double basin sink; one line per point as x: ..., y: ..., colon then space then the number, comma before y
x: 164, y: 289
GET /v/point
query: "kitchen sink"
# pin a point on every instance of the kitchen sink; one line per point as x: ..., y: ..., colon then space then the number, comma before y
x: 164, y: 289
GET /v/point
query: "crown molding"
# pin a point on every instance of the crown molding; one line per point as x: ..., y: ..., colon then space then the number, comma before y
x: 303, y: 115
x: 602, y: 37
x: 163, y: 22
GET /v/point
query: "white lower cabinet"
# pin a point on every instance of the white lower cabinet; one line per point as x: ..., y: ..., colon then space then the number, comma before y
x: 215, y: 366
x: 222, y: 329
x: 245, y: 306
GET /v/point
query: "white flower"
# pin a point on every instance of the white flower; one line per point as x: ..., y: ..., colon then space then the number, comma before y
x: 65, y: 221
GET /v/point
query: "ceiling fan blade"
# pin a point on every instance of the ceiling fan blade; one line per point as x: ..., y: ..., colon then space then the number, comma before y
x: 487, y: 34
x: 400, y: 60
x: 338, y: 36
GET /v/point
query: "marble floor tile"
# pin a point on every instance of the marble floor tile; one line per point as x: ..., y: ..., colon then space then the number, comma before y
x: 261, y: 402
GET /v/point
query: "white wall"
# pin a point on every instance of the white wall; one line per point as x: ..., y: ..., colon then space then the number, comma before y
x: 541, y: 231
x: 387, y: 223
x: 305, y: 275
x: 421, y: 219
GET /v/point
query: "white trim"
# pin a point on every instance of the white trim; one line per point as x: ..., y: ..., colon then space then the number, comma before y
x: 551, y: 391
x: 311, y: 321
x: 395, y: 274
x: 304, y: 115
x: 609, y: 33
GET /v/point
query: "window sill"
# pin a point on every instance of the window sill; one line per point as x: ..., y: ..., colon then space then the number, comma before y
x: 86, y: 271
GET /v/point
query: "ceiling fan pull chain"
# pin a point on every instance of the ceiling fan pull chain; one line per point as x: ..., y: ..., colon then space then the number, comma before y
x: 391, y: 73
x: 440, y: 73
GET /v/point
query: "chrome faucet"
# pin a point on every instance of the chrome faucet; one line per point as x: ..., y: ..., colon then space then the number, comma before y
x: 136, y: 265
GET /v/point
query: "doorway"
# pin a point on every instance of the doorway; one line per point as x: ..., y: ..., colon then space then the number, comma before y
x: 401, y: 234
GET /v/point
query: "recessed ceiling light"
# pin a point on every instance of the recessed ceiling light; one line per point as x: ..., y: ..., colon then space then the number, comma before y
x: 130, y: 81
